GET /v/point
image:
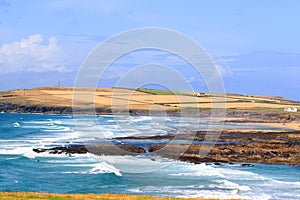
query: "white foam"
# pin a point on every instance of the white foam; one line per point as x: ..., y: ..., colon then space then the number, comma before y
x: 57, y: 122
x: 57, y: 129
x: 231, y: 185
x: 38, y: 122
x: 193, y: 170
x: 236, y: 174
x: 13, y: 158
x: 97, y: 168
x: 140, y: 119
x: 30, y: 154
x: 297, y: 183
x: 106, y: 167
x: 16, y: 124
x: 76, y: 160
x: 188, y: 192
x: 132, y: 164
x: 15, y: 150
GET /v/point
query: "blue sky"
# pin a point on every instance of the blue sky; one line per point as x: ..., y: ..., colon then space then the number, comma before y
x: 255, y: 44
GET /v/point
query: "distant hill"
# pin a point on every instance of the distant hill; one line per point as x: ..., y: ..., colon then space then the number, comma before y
x: 59, y: 100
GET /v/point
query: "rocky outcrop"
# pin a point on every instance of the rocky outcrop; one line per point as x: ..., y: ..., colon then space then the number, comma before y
x: 116, y: 150
x: 266, y: 147
x: 104, y: 149
x: 245, y: 117
x: 19, y: 108
x: 266, y: 153
x: 79, y: 149
x: 235, y: 146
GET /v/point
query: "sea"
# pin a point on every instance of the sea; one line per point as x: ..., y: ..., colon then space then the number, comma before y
x: 21, y: 169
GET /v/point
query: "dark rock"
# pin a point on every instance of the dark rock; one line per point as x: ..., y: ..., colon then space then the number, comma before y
x: 79, y: 149
x: 96, y: 149
x: 219, y: 164
x: 118, y: 150
x: 246, y: 165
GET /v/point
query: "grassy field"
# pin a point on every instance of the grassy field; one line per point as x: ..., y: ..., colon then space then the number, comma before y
x: 31, y: 195
x: 161, y: 92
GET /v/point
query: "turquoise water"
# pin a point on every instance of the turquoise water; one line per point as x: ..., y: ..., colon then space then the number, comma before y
x: 24, y: 170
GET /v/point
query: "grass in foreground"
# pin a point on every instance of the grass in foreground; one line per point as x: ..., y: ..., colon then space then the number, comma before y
x: 33, y: 195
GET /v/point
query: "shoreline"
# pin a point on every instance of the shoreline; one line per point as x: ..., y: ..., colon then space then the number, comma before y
x: 267, y: 119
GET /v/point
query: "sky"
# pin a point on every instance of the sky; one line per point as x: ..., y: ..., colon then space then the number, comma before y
x: 254, y: 44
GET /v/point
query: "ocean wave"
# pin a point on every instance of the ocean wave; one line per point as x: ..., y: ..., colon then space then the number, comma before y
x: 58, y: 129
x: 195, y: 170
x: 98, y: 168
x: 140, y: 119
x: 189, y: 192
x: 14, y: 150
x: 38, y: 122
x: 135, y: 164
x: 193, y: 180
x: 231, y: 185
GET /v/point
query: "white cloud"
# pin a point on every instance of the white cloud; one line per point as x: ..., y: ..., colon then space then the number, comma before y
x: 225, y: 71
x: 192, y: 79
x: 32, y: 54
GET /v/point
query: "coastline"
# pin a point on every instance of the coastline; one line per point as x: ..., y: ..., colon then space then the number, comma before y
x: 255, y: 145
x: 245, y: 148
x: 268, y: 119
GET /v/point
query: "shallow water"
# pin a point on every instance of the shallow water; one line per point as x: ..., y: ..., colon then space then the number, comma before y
x: 24, y: 170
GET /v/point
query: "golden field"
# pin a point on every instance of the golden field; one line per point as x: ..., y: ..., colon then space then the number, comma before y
x: 33, y: 195
x: 60, y: 100
x: 145, y: 99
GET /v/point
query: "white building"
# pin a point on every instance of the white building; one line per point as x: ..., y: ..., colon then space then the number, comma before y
x: 290, y: 109
x: 201, y: 94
